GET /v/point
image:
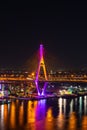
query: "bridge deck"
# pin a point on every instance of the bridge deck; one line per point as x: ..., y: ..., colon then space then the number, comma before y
x: 5, y: 79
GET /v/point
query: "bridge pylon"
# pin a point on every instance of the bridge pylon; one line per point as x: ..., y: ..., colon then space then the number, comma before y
x: 41, y: 64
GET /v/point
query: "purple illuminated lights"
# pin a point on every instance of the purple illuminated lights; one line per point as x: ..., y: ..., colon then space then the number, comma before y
x: 41, y: 64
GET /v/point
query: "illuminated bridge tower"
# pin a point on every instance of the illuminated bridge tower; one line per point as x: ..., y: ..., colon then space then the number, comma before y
x: 40, y: 65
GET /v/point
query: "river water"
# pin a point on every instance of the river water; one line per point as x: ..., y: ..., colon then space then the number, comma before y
x: 46, y: 114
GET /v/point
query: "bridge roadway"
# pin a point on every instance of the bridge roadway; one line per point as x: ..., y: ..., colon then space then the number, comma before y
x: 51, y: 79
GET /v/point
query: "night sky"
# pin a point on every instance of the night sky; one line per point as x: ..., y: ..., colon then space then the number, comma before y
x: 60, y: 26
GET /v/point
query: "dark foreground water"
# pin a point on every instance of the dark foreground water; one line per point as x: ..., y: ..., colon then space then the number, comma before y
x: 52, y: 114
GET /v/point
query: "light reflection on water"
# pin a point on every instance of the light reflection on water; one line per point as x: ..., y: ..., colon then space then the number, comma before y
x: 47, y: 114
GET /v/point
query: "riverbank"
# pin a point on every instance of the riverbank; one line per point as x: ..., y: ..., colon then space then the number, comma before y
x: 36, y: 97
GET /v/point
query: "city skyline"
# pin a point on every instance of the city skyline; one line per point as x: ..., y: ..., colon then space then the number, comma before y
x: 60, y: 26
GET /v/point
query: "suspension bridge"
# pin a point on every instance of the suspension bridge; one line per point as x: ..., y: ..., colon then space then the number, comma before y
x: 46, y: 77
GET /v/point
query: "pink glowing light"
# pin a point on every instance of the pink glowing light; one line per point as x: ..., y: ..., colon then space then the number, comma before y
x: 41, y: 64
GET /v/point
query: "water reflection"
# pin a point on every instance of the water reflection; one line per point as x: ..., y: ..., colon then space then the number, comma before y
x: 85, y: 105
x: 47, y: 114
x: 61, y: 115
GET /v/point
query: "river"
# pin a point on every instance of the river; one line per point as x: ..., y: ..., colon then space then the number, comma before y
x: 46, y: 114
